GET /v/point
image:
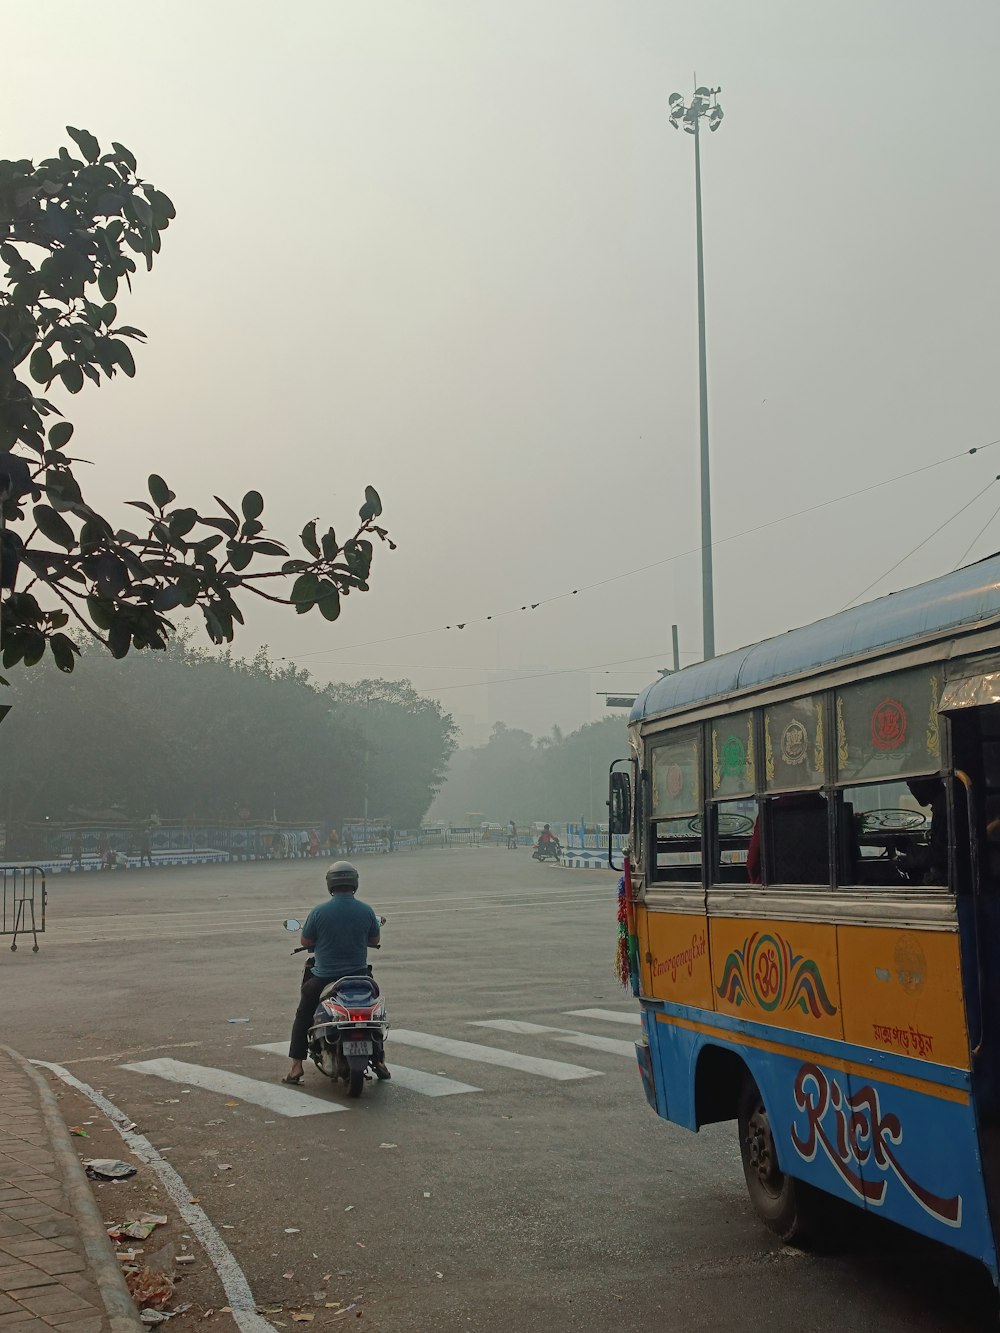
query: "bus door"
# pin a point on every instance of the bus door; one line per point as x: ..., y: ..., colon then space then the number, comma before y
x: 973, y: 705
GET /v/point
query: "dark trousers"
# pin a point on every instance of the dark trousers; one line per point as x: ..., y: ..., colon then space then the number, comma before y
x: 312, y: 988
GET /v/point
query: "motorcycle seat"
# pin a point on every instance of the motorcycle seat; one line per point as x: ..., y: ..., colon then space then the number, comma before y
x: 353, y: 989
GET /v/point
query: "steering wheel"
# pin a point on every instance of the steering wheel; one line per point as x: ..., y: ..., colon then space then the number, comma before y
x: 872, y: 821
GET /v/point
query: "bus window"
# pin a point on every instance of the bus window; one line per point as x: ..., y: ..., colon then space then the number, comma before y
x: 797, y: 839
x: 677, y: 851
x: 794, y: 755
x: 732, y: 756
x: 889, y: 727
x: 734, y: 824
x: 893, y: 834
x: 675, y: 807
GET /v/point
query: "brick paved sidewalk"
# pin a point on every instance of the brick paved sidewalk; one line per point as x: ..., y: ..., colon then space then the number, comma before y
x: 47, y: 1275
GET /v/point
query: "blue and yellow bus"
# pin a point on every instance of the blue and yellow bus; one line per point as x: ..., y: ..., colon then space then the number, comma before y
x: 813, y: 894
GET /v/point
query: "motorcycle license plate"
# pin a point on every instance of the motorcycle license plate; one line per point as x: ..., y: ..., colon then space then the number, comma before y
x: 358, y: 1048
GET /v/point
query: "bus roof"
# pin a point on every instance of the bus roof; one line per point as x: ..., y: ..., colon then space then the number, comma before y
x: 960, y: 600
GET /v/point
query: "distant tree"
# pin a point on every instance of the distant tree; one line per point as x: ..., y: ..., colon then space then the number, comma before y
x: 68, y: 229
x: 560, y: 777
x: 406, y: 740
x: 197, y: 736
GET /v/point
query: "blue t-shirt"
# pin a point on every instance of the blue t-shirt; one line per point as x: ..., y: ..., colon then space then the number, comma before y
x: 340, y: 930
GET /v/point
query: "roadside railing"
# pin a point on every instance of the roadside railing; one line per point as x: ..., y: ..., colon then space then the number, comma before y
x: 23, y: 903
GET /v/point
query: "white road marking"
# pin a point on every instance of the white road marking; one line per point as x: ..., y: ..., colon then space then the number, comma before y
x: 610, y: 1044
x: 431, y: 1085
x: 273, y: 1097
x: 608, y: 1015
x: 492, y: 1055
x: 237, y: 1288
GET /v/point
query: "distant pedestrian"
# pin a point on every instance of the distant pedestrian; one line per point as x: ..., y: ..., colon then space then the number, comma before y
x: 313, y: 842
x: 76, y: 851
x: 511, y: 835
x: 146, y: 850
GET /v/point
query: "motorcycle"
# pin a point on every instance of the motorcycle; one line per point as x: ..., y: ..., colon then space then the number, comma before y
x: 547, y: 851
x: 349, y: 1026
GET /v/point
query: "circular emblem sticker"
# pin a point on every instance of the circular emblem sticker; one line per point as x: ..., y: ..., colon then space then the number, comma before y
x: 675, y: 781
x: 732, y: 757
x: 767, y: 972
x: 889, y: 725
x: 794, y: 743
x: 911, y: 964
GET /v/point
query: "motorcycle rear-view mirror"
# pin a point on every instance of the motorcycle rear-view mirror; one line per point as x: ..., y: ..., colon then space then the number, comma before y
x: 292, y: 925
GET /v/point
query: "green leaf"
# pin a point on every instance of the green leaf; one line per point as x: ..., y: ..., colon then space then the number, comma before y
x: 330, y: 548
x: 304, y: 592
x: 163, y: 208
x: 182, y: 521
x: 329, y: 600
x: 167, y: 599
x: 124, y: 156
x: 123, y: 355
x: 64, y: 651
x: 309, y: 539
x: 40, y: 365
x: 34, y: 647
x: 227, y: 525
x: 159, y: 491
x: 372, y: 506
x: 100, y: 612
x: 60, y: 434
x: 229, y: 510
x: 72, y: 376
x: 86, y: 143
x: 107, y: 284
x: 239, y: 555
x: 119, y: 637
x: 253, y: 504
x: 54, y: 526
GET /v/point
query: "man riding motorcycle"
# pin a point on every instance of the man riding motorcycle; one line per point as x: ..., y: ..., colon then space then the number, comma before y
x: 339, y: 932
x: 548, y: 845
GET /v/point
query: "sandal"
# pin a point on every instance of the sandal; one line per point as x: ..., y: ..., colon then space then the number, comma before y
x: 293, y: 1079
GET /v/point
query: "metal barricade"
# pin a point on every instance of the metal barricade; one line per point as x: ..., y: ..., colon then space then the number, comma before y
x: 23, y: 904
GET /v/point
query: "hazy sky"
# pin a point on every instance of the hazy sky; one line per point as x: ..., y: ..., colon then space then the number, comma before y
x: 447, y: 247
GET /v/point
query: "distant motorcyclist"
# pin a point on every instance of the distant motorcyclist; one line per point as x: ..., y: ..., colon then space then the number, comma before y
x: 548, y: 845
x: 339, y: 932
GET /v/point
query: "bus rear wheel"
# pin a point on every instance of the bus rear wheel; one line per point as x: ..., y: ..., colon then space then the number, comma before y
x: 781, y: 1202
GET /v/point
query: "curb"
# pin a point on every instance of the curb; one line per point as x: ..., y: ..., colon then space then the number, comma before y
x: 96, y: 1246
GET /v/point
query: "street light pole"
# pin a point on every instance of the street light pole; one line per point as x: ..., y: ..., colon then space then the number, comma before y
x: 703, y: 104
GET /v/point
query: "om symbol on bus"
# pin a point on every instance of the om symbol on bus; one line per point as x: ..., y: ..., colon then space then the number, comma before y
x: 767, y: 972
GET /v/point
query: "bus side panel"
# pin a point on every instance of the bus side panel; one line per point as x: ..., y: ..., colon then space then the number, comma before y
x: 907, y: 1154
x: 673, y: 957
x: 902, y: 992
x: 782, y: 973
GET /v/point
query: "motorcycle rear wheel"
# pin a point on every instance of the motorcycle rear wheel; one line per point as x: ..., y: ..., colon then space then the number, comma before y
x: 356, y: 1083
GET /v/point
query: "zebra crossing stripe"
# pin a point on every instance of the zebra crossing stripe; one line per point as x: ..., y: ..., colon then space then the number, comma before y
x: 608, y: 1015
x: 416, y: 1080
x: 610, y: 1044
x: 273, y: 1097
x: 491, y: 1055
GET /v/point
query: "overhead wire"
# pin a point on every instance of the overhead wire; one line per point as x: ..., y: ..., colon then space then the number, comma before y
x: 930, y: 536
x: 964, y: 556
x: 665, y: 560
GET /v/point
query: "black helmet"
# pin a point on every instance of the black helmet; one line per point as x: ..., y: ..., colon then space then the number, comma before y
x: 342, y: 875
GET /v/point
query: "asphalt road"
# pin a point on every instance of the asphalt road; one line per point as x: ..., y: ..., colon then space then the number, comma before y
x: 532, y: 1201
